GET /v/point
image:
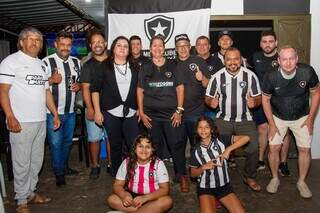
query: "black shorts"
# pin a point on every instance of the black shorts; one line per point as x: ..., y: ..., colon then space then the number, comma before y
x: 216, y: 192
x: 258, y: 116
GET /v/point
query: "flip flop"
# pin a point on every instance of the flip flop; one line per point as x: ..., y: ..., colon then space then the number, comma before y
x: 253, y: 185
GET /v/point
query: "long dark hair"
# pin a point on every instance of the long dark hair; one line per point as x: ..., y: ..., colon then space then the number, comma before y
x: 133, y: 158
x: 213, y: 128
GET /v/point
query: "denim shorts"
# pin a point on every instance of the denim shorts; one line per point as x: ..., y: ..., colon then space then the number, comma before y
x: 95, y: 133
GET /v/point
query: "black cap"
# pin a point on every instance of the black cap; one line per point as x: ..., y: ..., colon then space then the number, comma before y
x: 225, y: 32
x: 181, y: 37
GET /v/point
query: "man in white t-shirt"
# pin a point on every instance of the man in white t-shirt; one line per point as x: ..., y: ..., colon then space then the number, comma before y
x: 24, y: 95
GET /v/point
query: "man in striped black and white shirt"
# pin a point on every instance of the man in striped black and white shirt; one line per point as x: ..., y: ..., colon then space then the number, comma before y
x: 235, y: 89
x: 63, y: 71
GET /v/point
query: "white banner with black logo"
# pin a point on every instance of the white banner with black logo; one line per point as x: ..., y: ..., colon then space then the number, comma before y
x: 168, y: 18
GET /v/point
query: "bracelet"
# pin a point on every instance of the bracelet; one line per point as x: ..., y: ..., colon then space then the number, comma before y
x: 180, y: 108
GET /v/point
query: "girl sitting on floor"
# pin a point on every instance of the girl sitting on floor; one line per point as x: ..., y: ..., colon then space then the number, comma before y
x: 142, y: 181
x: 208, y: 163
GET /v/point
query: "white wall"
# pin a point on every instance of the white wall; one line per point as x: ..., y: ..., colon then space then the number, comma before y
x: 315, y: 62
x: 226, y: 7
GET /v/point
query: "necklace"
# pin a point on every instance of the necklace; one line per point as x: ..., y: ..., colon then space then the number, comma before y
x: 119, y: 68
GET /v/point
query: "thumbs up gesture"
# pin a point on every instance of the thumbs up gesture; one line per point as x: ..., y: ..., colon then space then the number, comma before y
x: 250, y: 100
x: 215, y: 101
x: 56, y: 77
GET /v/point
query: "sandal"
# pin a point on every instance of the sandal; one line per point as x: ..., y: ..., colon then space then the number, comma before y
x: 39, y: 199
x: 252, y: 184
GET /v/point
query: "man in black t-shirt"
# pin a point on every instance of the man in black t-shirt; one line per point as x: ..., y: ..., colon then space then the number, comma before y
x: 93, y: 68
x: 195, y: 79
x: 263, y: 62
x: 225, y: 41
x: 136, y: 56
x: 203, y: 50
x: 285, y: 102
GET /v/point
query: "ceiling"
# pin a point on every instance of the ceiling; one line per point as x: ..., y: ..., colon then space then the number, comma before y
x: 51, y: 15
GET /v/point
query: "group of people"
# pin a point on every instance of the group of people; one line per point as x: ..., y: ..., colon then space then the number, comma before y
x: 218, y: 102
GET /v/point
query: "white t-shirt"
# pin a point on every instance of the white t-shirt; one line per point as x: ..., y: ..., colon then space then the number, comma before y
x: 28, y: 79
x: 145, y: 180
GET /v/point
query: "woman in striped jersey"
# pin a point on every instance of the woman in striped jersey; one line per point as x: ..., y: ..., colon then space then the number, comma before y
x: 208, y: 163
x: 142, y: 181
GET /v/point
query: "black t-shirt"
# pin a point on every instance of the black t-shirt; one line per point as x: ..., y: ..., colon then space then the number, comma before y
x: 159, y: 85
x: 194, y: 92
x: 214, y: 64
x: 217, y: 62
x: 262, y: 64
x: 137, y: 62
x: 92, y: 68
x: 290, y: 97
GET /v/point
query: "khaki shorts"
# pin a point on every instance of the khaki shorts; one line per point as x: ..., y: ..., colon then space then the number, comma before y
x: 302, y: 136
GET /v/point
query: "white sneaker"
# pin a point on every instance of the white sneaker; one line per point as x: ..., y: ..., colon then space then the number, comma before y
x: 273, y: 185
x: 304, y: 190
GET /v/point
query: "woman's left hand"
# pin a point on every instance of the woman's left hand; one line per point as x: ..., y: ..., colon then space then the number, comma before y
x: 176, y: 119
x: 139, y: 201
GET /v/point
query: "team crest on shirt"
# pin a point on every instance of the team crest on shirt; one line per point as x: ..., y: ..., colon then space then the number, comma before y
x: 76, y: 69
x: 151, y: 174
x: 193, y: 67
x: 215, y: 148
x: 243, y: 84
x: 274, y: 63
x: 302, y: 84
x: 210, y: 68
x: 168, y: 74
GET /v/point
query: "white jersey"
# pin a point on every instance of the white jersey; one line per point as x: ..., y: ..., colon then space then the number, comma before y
x: 64, y: 98
x: 233, y: 91
x: 146, y: 177
x: 28, y: 79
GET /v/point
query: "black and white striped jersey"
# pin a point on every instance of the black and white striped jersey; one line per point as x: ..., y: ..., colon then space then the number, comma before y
x: 218, y: 176
x: 64, y: 98
x: 232, y: 91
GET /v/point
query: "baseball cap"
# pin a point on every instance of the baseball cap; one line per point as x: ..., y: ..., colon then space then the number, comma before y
x: 225, y: 32
x: 181, y: 37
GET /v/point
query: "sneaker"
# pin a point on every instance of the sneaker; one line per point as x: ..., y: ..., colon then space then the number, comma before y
x: 273, y: 185
x: 261, y: 165
x: 60, y: 180
x: 304, y: 190
x: 284, y: 169
x: 71, y: 172
x: 95, y: 172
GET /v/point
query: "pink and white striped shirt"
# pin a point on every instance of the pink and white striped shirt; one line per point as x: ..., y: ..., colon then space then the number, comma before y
x: 146, y: 178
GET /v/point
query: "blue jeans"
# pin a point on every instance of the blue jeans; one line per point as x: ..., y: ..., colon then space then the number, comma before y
x: 60, y: 141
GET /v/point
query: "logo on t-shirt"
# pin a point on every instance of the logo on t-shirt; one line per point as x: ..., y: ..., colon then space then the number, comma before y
x: 151, y: 174
x: 168, y: 74
x: 302, y: 84
x: 35, y: 80
x: 193, y: 67
x: 242, y: 84
x: 274, y: 63
x: 210, y: 68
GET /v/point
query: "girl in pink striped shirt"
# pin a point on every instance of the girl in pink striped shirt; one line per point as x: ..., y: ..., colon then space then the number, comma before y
x: 142, y: 181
